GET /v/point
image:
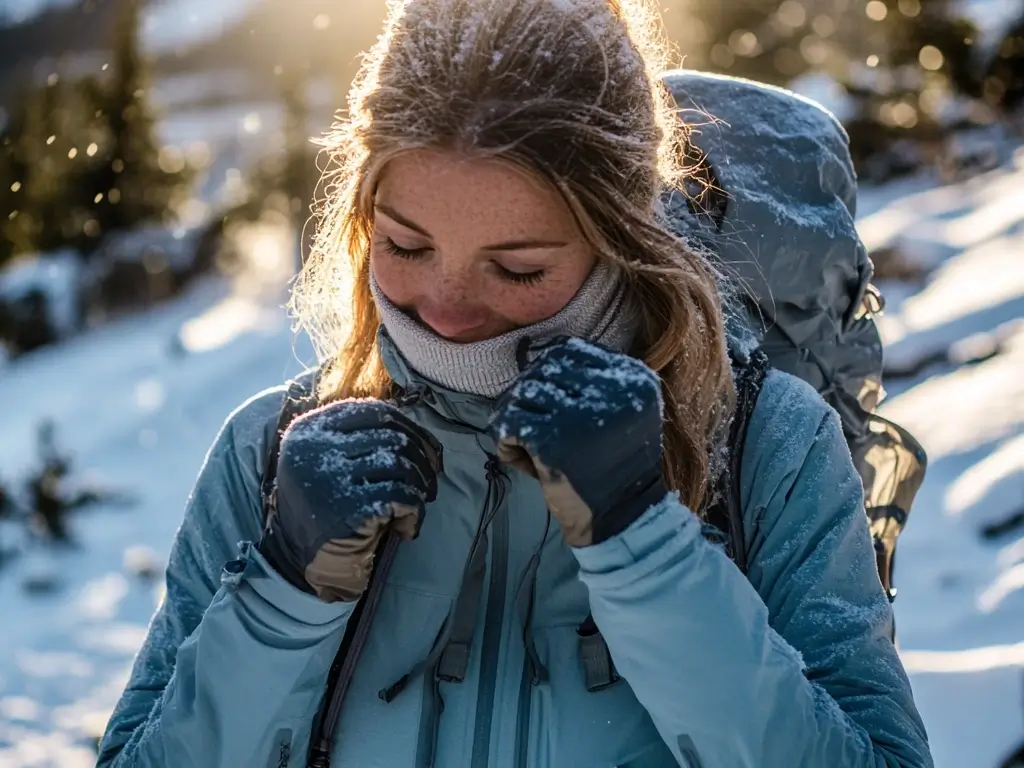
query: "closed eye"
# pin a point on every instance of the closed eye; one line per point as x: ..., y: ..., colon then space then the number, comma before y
x: 522, y: 278
x: 414, y: 254
x: 403, y: 253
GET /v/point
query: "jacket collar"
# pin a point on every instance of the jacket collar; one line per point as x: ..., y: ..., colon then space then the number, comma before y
x: 469, y: 411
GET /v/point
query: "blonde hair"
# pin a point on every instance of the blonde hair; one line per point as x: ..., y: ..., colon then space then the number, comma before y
x: 568, y: 90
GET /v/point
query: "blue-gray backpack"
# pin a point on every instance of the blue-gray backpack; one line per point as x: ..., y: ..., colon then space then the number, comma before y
x: 772, y: 201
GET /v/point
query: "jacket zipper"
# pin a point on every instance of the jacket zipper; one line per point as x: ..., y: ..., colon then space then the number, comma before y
x: 431, y: 709
x: 533, y: 674
x: 523, y: 714
x: 533, y: 671
x: 343, y: 668
x: 432, y: 705
x: 492, y: 629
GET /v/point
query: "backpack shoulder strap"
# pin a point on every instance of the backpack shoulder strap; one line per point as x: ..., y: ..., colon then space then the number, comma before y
x: 299, y: 398
x: 726, y: 510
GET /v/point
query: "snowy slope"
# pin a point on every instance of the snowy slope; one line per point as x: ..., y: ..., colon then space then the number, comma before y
x: 960, y: 612
x: 141, y: 418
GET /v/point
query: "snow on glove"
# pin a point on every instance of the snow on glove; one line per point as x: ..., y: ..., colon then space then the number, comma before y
x: 587, y: 423
x: 347, y: 472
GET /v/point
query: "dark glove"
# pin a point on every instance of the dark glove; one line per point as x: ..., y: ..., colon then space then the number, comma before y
x: 347, y: 473
x: 587, y: 423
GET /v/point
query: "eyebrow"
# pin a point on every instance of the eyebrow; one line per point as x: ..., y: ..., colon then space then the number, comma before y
x: 391, y: 213
x: 511, y: 245
x: 524, y: 245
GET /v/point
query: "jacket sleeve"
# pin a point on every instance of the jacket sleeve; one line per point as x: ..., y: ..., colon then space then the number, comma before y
x: 794, y: 667
x: 234, y: 664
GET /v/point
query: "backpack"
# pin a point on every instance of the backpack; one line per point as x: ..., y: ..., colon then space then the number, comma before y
x: 771, y: 174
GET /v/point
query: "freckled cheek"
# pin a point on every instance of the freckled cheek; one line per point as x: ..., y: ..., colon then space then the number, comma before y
x: 525, y: 305
x: 402, y: 281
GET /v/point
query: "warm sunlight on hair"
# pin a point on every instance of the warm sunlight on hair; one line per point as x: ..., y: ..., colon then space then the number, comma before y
x: 528, y: 79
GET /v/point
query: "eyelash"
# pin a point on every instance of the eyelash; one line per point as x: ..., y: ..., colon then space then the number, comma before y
x: 403, y: 253
x: 412, y: 254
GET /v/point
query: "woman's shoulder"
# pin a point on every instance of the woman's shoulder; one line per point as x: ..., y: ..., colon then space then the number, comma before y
x: 244, y: 439
x: 255, y: 420
x: 797, y: 480
x: 786, y: 408
x: 247, y: 433
x: 224, y: 506
x: 252, y: 423
x: 790, y: 420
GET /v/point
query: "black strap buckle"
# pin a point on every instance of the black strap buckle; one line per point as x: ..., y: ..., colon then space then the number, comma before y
x: 598, y: 668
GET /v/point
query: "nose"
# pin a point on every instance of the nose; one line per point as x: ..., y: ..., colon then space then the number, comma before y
x: 451, y: 307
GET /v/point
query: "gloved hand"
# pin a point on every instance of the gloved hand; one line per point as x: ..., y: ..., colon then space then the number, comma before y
x: 587, y: 422
x: 347, y: 472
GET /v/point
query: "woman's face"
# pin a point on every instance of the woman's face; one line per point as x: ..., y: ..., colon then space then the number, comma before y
x: 473, y: 248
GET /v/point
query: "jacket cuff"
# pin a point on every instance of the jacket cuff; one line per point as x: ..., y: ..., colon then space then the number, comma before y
x: 663, y: 533
x: 252, y: 569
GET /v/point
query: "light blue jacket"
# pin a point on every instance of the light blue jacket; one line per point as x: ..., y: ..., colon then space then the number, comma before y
x: 793, y: 667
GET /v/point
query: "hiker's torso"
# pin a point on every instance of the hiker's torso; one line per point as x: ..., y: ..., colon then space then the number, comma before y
x: 499, y: 715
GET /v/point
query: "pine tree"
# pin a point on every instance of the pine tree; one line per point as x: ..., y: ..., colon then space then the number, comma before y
x: 36, y: 157
x: 764, y: 40
x: 1003, y: 85
x: 918, y: 59
x: 14, y: 170
x: 743, y: 38
x: 48, y: 154
x: 299, y: 159
x: 135, y: 185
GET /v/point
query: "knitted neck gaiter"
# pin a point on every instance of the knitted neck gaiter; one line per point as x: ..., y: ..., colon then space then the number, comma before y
x: 600, y: 312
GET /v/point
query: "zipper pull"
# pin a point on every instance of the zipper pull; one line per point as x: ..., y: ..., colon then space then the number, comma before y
x: 407, y: 398
x: 494, y: 468
x: 389, y: 694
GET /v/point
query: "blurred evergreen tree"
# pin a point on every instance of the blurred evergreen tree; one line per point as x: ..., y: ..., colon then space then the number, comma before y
x: 13, y: 175
x: 913, y: 86
x: 1003, y: 84
x: 299, y: 171
x: 758, y: 39
x: 910, y: 66
x: 81, y: 159
x: 771, y: 41
x: 139, y: 180
x: 285, y: 181
x: 48, y: 160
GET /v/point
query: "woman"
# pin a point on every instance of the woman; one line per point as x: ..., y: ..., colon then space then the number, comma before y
x: 530, y: 385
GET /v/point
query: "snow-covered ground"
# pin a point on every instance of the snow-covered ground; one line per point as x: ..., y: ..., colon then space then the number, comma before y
x: 960, y: 612
x: 139, y: 415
